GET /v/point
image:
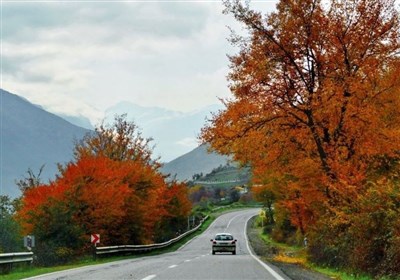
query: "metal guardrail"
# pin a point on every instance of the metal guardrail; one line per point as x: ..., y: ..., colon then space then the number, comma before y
x: 144, y: 248
x: 10, y: 258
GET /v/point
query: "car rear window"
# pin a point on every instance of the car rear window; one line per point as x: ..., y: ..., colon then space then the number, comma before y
x: 224, y: 237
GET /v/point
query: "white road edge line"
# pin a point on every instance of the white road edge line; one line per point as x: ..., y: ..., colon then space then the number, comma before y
x: 172, y: 266
x: 149, y: 277
x: 270, y: 270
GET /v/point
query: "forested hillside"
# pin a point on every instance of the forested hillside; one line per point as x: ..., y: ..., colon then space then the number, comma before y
x: 199, y: 160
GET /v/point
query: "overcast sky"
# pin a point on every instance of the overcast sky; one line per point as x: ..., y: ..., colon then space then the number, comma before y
x: 77, y: 57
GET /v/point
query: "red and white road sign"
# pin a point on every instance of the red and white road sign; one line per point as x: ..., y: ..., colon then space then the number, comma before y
x: 95, y: 238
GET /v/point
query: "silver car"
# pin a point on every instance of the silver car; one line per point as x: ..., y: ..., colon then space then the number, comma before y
x: 224, y: 242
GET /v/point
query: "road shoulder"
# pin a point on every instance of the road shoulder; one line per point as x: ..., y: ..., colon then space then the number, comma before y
x: 267, y: 253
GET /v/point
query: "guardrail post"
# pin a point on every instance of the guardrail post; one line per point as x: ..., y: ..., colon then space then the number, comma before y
x: 94, y: 250
x: 5, y: 268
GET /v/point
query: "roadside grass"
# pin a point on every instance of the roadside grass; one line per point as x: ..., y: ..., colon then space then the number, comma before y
x: 26, y: 271
x: 298, y: 255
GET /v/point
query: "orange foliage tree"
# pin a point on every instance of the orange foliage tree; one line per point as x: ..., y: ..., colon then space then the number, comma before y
x: 315, y: 102
x: 113, y: 188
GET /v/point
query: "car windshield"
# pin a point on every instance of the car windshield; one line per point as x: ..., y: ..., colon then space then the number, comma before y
x: 224, y: 237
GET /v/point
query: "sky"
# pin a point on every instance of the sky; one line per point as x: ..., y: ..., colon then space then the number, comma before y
x: 81, y: 57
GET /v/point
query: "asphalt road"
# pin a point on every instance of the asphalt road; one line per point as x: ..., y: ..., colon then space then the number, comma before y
x: 193, y: 261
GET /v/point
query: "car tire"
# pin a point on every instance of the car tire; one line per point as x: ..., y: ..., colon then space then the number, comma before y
x: 234, y: 252
x: 213, y: 252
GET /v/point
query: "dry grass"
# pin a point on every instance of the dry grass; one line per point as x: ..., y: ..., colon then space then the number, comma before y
x: 292, y: 259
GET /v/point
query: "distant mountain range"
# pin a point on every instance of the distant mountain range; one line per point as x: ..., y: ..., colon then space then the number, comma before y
x: 31, y: 137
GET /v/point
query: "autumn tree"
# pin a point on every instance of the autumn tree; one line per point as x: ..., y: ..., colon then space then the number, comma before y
x: 178, y: 207
x: 315, y: 101
x: 198, y: 193
x: 113, y: 188
x: 32, y: 180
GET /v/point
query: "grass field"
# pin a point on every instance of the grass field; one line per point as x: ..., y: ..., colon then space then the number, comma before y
x: 225, y: 177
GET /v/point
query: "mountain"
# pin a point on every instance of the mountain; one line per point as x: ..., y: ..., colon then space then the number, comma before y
x: 80, y: 120
x: 31, y: 137
x: 196, y: 161
x: 174, y: 133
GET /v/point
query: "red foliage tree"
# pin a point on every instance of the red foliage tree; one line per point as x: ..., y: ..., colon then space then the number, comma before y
x: 112, y: 188
x: 316, y: 92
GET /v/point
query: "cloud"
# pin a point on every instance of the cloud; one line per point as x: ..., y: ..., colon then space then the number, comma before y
x: 79, y: 58
x: 188, y: 142
x: 155, y: 54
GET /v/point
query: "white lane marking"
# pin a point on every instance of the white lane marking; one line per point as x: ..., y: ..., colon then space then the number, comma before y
x: 203, y: 255
x: 230, y: 221
x: 172, y: 266
x: 270, y: 270
x: 149, y: 277
x: 187, y: 260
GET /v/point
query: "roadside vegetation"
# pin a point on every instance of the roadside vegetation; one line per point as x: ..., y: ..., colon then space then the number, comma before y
x: 314, y: 112
x: 112, y: 187
x: 294, y: 260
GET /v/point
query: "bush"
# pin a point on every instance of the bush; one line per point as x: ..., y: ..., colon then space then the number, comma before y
x: 64, y: 254
x: 283, y: 230
x: 365, y: 237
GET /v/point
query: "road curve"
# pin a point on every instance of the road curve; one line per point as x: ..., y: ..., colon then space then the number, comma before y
x: 193, y: 261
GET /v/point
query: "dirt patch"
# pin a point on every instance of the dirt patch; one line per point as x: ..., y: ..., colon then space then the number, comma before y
x: 267, y: 252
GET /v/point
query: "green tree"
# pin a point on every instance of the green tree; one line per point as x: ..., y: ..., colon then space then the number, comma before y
x: 10, y: 237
